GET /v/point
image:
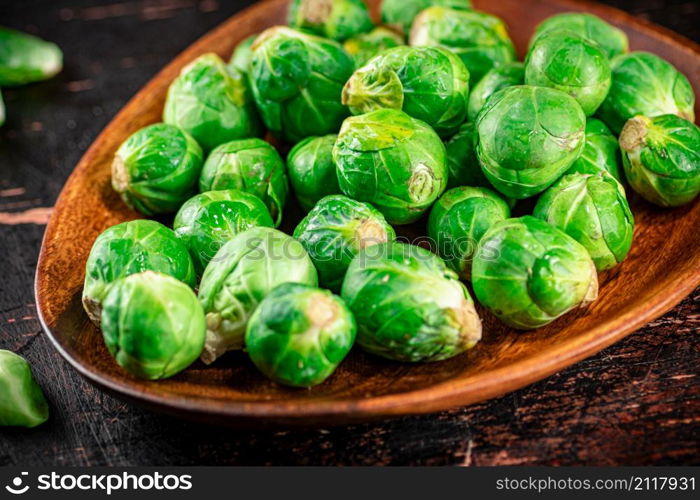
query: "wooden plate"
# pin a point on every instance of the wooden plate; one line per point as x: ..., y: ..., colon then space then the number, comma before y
x: 662, y: 268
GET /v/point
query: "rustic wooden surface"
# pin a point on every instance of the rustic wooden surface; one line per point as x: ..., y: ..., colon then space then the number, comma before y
x: 635, y: 403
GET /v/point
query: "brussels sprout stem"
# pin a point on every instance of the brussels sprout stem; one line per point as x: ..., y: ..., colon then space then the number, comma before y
x: 634, y: 133
x: 369, y: 232
x: 120, y: 174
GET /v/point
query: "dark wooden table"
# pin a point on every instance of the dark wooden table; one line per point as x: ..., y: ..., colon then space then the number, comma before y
x: 637, y: 402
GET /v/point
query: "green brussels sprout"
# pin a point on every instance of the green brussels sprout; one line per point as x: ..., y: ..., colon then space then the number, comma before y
x: 399, y: 14
x: 527, y: 137
x: 463, y: 167
x: 299, y: 334
x: 153, y: 325
x: 365, y: 46
x: 661, y: 158
x: 335, y: 230
x: 568, y: 62
x: 212, y: 102
x: 129, y: 248
x: 612, y: 40
x: 601, y: 152
x: 393, y: 161
x: 208, y: 220
x: 22, y: 402
x: 297, y: 80
x: 427, y: 83
x: 479, y: 39
x: 408, y: 305
x: 25, y: 58
x: 250, y: 165
x: 529, y: 273
x: 645, y: 84
x: 334, y: 19
x: 593, y: 210
x: 156, y: 169
x: 240, y: 275
x: 459, y: 219
x: 312, y: 170
x: 495, y: 79
x: 242, y: 54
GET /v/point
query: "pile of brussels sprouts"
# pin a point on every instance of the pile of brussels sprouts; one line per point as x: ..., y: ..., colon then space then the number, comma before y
x: 427, y: 119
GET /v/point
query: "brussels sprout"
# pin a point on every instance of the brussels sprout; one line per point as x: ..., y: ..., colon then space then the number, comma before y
x: 463, y: 167
x: 428, y: 83
x: 365, y: 46
x: 312, y: 170
x: 25, y: 58
x: 408, y: 305
x: 612, y: 40
x: 593, y: 210
x: 153, y: 325
x: 156, y: 169
x: 299, y: 334
x: 212, y: 102
x: 242, y: 54
x: 601, y: 152
x: 22, y: 402
x: 250, y: 165
x: 459, y: 219
x: 240, y: 275
x: 645, y: 84
x: 129, y: 248
x: 208, y: 220
x: 297, y: 80
x: 526, y: 137
x: 497, y: 78
x: 568, y: 62
x: 529, y: 273
x: 479, y: 39
x: 335, y: 230
x: 334, y: 19
x: 399, y: 14
x: 393, y: 161
x: 661, y: 158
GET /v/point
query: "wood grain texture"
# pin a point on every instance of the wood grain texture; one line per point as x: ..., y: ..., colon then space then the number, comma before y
x: 634, y: 403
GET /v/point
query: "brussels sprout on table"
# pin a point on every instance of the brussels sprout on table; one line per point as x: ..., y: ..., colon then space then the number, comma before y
x: 242, y: 54
x: 212, y: 102
x: 459, y: 219
x: 22, y: 402
x: 312, y: 170
x: 129, y: 248
x: 157, y: 168
x: 645, y: 84
x: 393, y: 161
x: 526, y: 137
x: 299, y: 334
x: 297, y: 80
x: 408, y: 305
x: 335, y: 230
x: 497, y: 78
x: 240, y: 275
x: 399, y: 14
x: 365, y: 46
x: 529, y: 273
x: 153, y: 325
x: 208, y: 220
x: 593, y: 210
x: 250, y: 165
x: 661, y: 158
x: 427, y: 83
x: 479, y: 39
x: 334, y: 19
x: 25, y: 58
x: 568, y: 62
x: 610, y: 39
x: 601, y: 152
